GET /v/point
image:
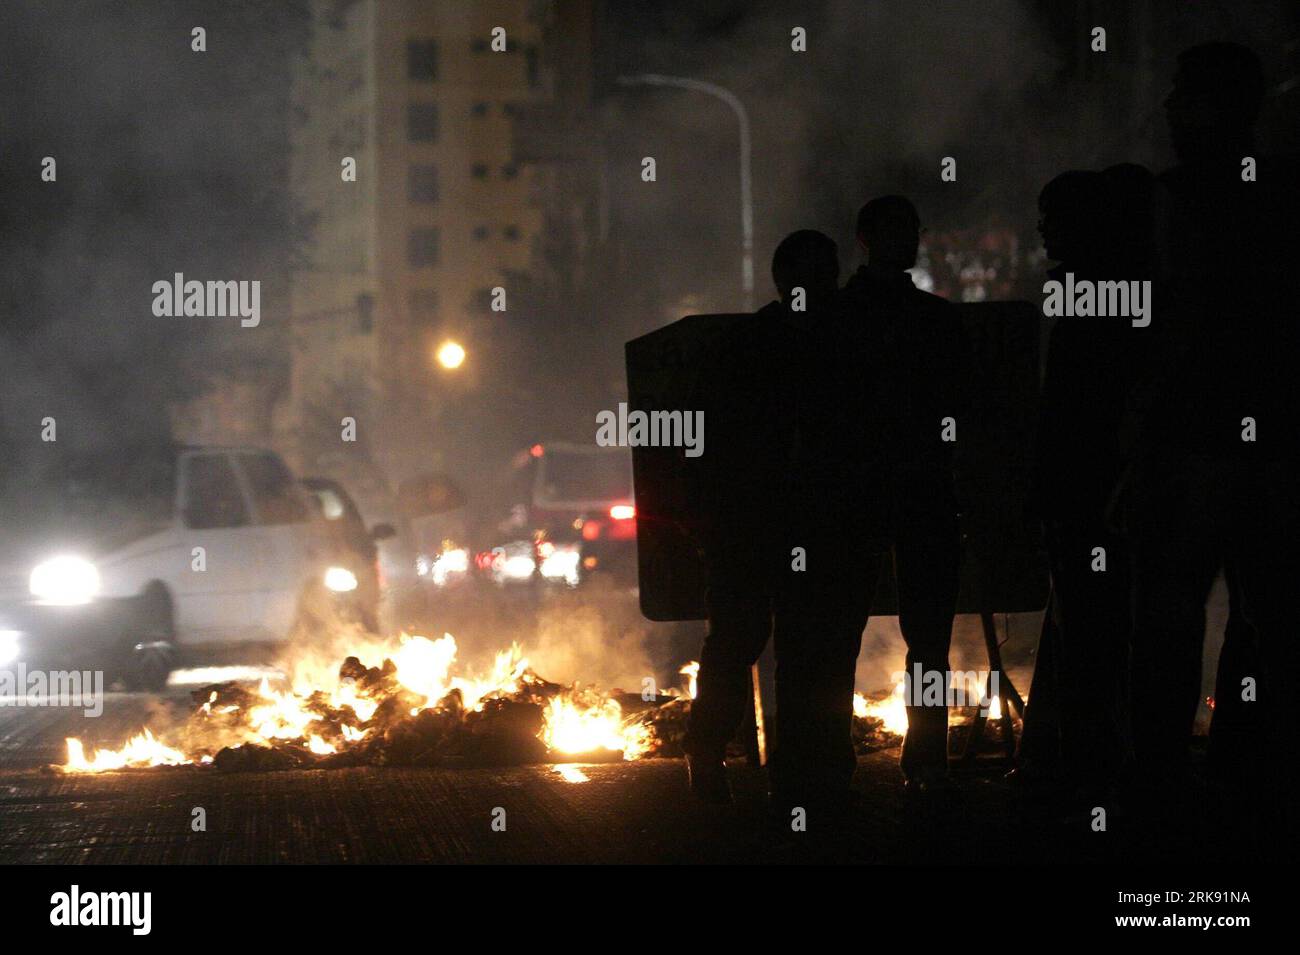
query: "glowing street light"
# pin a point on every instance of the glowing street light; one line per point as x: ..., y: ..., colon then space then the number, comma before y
x: 451, y: 355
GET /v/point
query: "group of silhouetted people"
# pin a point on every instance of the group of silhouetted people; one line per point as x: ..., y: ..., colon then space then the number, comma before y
x: 1170, y: 449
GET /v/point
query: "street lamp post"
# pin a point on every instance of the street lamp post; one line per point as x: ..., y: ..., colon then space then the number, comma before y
x: 746, y: 193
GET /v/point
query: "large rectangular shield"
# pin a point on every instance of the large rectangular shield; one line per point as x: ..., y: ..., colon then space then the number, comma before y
x: 662, y: 371
x: 1003, y: 565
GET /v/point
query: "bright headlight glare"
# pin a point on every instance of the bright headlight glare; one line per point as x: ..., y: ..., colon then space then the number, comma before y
x: 449, y: 564
x: 8, y: 646
x: 340, y: 580
x: 561, y: 564
x: 519, y: 567
x: 64, y: 580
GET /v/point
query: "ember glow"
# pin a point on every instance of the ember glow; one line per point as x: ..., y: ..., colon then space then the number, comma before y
x: 891, y: 711
x: 362, y: 707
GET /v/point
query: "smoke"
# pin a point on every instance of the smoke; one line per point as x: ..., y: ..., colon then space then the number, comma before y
x: 590, y: 640
x: 165, y: 160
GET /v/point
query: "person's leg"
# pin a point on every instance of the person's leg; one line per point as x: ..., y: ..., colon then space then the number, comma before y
x: 1235, y: 727
x: 740, y: 623
x: 1266, y: 560
x: 1093, y: 600
x: 1176, y: 552
x: 926, y: 561
x: 1040, y: 739
x: 817, y: 637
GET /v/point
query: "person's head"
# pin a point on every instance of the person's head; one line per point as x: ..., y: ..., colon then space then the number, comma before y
x: 1217, y: 93
x: 1069, y: 214
x: 806, y: 259
x: 889, y: 232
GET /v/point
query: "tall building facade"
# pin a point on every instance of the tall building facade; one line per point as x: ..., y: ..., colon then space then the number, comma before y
x: 422, y: 99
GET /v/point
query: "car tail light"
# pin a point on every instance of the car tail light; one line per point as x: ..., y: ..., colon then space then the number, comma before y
x: 622, y: 512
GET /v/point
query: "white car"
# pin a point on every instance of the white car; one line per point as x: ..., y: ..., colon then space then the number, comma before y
x: 141, y: 561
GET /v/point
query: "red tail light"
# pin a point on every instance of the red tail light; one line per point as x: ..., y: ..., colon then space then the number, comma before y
x: 622, y: 512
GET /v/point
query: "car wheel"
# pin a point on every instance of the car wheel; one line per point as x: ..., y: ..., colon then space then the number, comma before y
x: 151, y: 647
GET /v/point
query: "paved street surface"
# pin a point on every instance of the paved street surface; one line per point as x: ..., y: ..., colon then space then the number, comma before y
x: 627, y: 812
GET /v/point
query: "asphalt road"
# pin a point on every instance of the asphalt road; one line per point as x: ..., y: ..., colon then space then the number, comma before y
x: 626, y: 812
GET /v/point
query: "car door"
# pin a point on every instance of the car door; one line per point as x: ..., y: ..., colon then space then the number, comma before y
x: 217, y: 599
x: 290, y: 548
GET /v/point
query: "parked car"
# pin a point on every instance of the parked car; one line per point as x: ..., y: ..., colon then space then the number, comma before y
x: 142, y: 560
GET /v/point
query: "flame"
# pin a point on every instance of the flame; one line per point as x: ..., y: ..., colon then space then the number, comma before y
x: 140, y: 750
x: 692, y: 673
x: 891, y: 711
x: 575, y: 721
x: 571, y: 773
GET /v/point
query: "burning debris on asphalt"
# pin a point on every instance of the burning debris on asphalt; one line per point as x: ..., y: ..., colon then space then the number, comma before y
x: 410, y: 710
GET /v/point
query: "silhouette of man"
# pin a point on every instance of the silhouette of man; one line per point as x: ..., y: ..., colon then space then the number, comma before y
x: 919, y: 352
x: 1098, y: 227
x: 1216, y: 472
x: 750, y: 398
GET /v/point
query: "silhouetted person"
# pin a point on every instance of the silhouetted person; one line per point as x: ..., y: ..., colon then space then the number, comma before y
x: 750, y: 398
x: 1098, y: 227
x: 919, y: 348
x: 1216, y: 472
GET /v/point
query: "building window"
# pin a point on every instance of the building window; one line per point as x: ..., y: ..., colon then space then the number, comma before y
x: 479, y: 110
x: 479, y: 170
x: 422, y: 183
x: 422, y: 248
x: 511, y: 232
x: 422, y: 60
x: 423, y: 302
x: 422, y: 122
x: 509, y: 171
x: 480, y: 232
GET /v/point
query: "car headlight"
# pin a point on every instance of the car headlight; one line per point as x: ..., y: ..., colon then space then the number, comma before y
x: 518, y: 567
x: 340, y: 580
x: 561, y: 563
x: 64, y: 580
x: 448, y: 565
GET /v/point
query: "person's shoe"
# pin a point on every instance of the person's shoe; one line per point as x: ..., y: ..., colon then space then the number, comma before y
x: 708, y: 778
x: 929, y: 782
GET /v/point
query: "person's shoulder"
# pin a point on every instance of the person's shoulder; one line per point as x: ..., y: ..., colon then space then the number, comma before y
x: 936, y: 308
x: 936, y: 303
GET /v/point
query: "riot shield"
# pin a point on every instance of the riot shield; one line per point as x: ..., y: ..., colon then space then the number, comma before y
x: 1003, y: 563
x: 662, y: 372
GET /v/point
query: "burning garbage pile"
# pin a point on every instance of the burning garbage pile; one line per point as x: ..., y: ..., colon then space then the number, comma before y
x: 410, y: 710
x: 413, y: 709
x: 880, y: 721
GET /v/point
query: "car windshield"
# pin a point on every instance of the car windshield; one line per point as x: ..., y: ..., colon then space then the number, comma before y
x: 586, y: 477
